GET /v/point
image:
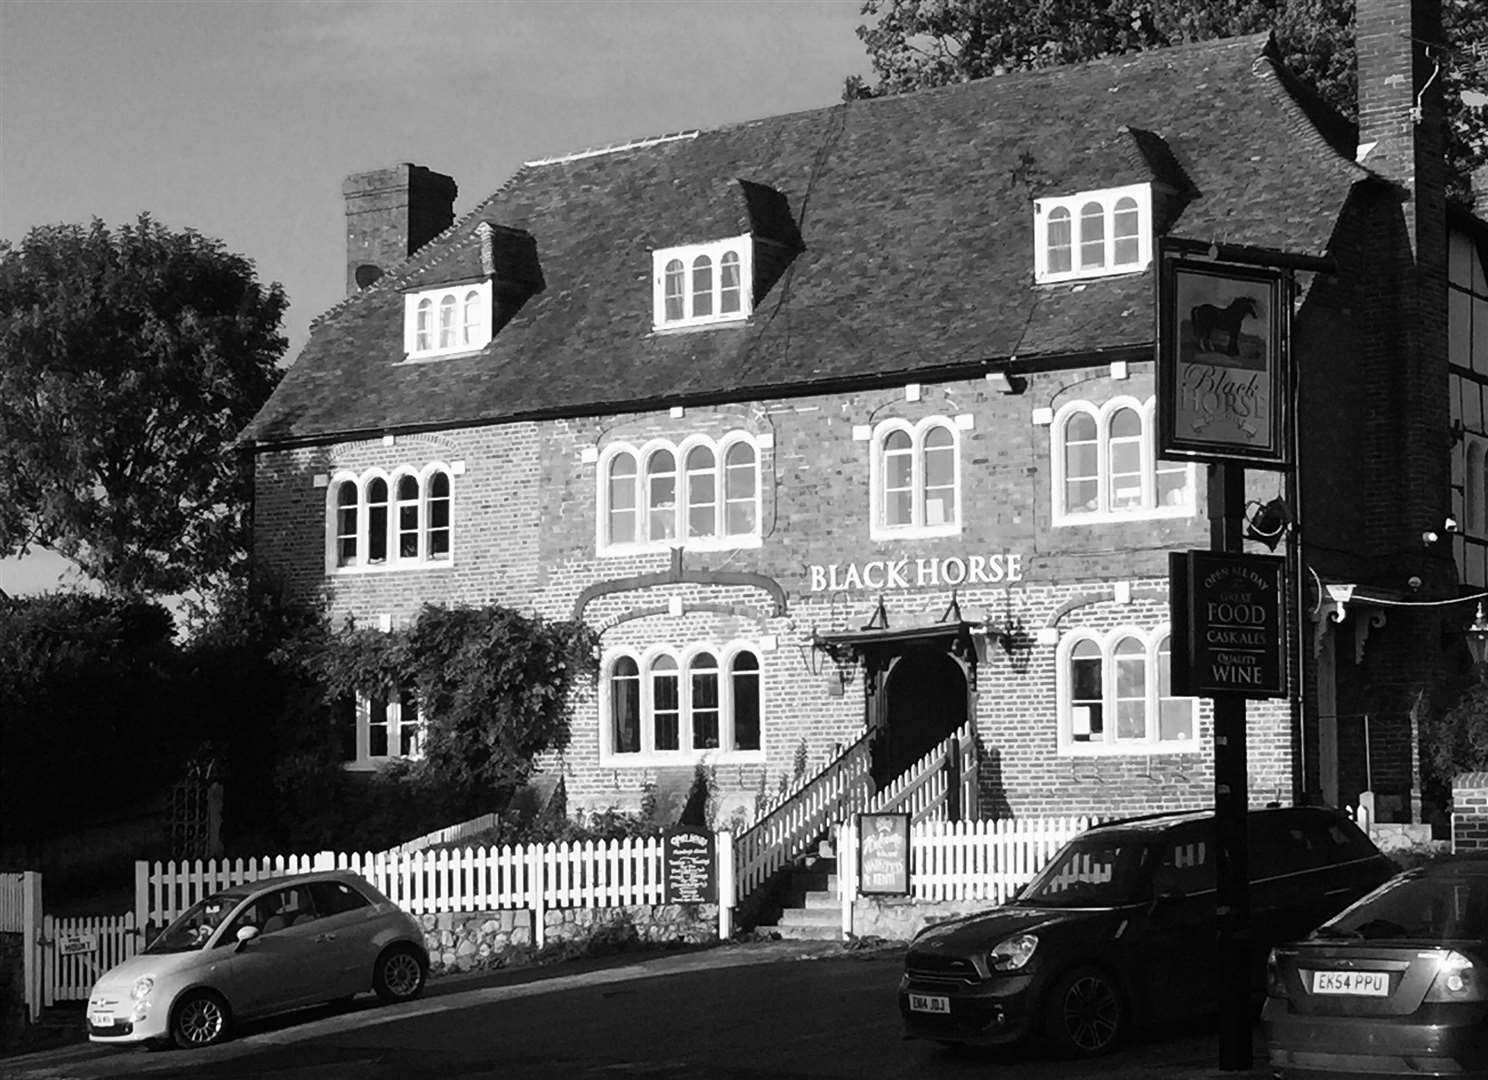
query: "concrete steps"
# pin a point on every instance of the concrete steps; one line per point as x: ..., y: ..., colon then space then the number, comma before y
x: 811, y: 910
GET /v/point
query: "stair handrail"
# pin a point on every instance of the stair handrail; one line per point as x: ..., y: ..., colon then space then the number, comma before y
x: 841, y: 789
x: 924, y: 789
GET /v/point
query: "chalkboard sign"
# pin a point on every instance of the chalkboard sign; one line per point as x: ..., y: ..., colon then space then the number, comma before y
x: 883, y: 854
x: 689, y: 866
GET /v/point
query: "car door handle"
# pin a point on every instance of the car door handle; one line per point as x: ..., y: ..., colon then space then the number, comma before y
x: 323, y: 937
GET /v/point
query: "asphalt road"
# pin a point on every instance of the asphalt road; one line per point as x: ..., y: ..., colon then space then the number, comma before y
x: 775, y: 1010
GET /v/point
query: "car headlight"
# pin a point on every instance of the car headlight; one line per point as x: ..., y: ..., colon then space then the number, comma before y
x: 142, y: 988
x: 1012, y: 953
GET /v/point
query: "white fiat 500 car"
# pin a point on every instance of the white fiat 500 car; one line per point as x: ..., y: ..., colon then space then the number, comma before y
x: 259, y: 948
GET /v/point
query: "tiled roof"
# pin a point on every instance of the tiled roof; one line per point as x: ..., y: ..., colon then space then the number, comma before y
x: 917, y: 223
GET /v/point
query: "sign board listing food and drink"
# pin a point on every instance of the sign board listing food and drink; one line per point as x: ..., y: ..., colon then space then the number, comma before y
x: 689, y: 867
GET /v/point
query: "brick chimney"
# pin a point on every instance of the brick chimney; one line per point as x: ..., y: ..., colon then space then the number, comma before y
x: 390, y: 214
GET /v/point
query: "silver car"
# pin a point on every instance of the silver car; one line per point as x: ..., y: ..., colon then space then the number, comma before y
x: 260, y: 948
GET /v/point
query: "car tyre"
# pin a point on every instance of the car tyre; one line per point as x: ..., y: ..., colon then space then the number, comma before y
x: 1084, y: 1016
x: 399, y: 974
x: 199, y: 1019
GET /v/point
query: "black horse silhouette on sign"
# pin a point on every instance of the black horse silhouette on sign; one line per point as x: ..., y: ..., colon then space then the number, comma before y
x: 1209, y: 322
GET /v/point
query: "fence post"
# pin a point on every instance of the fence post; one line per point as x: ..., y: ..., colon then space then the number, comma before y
x: 32, y: 941
x: 847, y: 873
x: 535, y: 893
x: 953, y: 780
x: 723, y: 852
x: 141, y: 897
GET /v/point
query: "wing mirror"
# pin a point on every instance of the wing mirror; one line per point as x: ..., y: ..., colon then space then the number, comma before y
x: 245, y: 935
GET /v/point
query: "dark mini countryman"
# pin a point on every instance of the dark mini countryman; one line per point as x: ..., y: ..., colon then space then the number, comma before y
x: 1119, y: 929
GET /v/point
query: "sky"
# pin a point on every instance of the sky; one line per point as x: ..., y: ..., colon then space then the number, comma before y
x: 240, y: 118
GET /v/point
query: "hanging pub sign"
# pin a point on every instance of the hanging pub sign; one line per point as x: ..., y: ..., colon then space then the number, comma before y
x: 689, y: 867
x: 883, y: 854
x: 1222, y: 363
x: 1228, y: 624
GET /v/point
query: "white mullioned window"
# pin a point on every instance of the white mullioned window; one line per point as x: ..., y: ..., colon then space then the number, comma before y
x: 1115, y: 694
x: 700, y: 493
x: 388, y: 727
x: 1092, y: 234
x: 447, y: 321
x: 915, y: 479
x: 666, y: 705
x: 1105, y: 465
x: 702, y: 284
x: 389, y: 521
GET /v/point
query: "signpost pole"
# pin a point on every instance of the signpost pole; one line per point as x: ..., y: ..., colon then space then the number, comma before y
x: 1226, y: 520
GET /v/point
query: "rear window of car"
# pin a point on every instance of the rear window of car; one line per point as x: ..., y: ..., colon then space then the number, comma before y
x: 1430, y: 908
x: 335, y: 897
x: 1291, y: 843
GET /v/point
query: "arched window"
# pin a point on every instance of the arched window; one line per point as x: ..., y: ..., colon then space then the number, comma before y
x: 657, y: 710
x: 703, y: 701
x: 1081, y: 462
x: 625, y: 706
x: 1060, y: 241
x: 447, y: 322
x: 423, y: 328
x: 730, y: 288
x: 704, y: 495
x: 470, y: 331
x: 1125, y: 449
x: 346, y: 523
x: 1092, y: 235
x: 702, y: 492
x: 1105, y: 464
x: 661, y: 495
x: 702, y: 287
x: 622, y: 499
x: 676, y: 291
x: 377, y: 520
x: 666, y: 704
x: 744, y: 683
x: 438, y: 511
x: 1125, y: 231
x: 917, y: 479
x: 408, y: 517
x: 1116, y: 695
x: 741, y: 471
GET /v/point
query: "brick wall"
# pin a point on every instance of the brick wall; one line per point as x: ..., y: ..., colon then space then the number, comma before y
x: 1470, y: 812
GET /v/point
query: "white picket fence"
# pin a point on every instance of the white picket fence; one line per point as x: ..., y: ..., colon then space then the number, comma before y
x: 79, y: 949
x: 451, y: 834
x: 984, y: 860
x: 537, y: 877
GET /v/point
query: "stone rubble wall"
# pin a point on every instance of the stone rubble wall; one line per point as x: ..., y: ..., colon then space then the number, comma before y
x: 474, y: 940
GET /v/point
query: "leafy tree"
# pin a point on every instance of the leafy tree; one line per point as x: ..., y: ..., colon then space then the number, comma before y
x: 88, y: 721
x: 919, y: 43
x: 133, y: 358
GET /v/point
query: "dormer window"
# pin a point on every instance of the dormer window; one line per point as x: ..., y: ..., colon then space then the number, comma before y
x: 1092, y: 234
x: 444, y: 322
x: 702, y: 283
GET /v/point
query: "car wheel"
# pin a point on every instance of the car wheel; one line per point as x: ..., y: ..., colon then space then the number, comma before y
x: 399, y: 974
x: 1084, y: 1016
x: 198, y: 1019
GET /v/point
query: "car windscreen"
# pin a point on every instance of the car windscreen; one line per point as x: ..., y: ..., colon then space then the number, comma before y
x: 1091, y: 872
x: 1417, y: 907
x: 194, y: 927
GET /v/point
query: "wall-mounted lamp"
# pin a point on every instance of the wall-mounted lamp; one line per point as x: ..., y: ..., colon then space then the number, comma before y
x: 837, y: 663
x: 1268, y: 522
x: 1004, y: 383
x: 1431, y: 536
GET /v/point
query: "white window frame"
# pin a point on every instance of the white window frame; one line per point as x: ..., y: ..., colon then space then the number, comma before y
x: 1475, y: 485
x: 878, y: 527
x: 1108, y: 199
x: 1147, y: 505
x: 470, y: 330
x: 396, y: 721
x: 648, y: 756
x: 361, y: 563
x: 1110, y: 745
x: 719, y: 539
x: 688, y: 255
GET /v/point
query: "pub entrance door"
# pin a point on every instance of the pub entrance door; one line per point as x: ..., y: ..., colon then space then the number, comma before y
x: 923, y: 701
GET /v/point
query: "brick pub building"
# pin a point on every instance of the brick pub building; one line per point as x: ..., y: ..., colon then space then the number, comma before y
x: 839, y: 428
